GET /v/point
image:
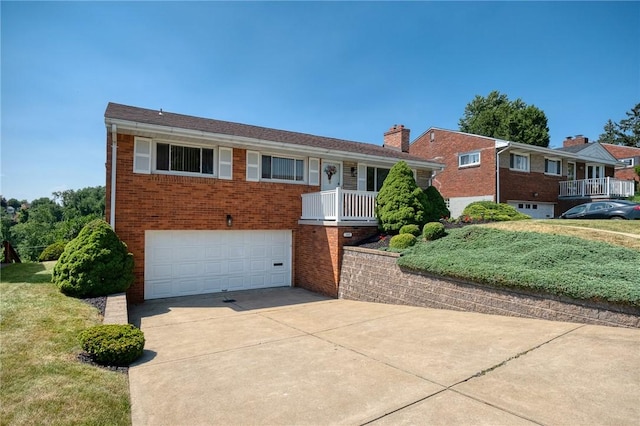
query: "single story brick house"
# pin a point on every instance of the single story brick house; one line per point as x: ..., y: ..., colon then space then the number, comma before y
x: 207, y: 206
x: 540, y: 182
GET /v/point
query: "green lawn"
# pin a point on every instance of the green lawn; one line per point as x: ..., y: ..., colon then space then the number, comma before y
x: 542, y: 262
x: 42, y: 382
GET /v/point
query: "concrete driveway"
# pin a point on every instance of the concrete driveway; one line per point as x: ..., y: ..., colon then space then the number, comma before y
x: 290, y: 357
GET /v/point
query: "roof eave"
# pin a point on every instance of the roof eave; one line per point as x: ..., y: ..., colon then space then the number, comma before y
x: 261, y: 144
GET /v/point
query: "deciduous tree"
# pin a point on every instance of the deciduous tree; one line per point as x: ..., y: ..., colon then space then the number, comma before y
x: 498, y: 117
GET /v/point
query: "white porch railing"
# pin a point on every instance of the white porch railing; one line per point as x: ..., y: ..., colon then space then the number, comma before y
x: 339, y: 205
x: 599, y: 187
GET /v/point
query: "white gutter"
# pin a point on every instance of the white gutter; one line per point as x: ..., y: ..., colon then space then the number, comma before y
x: 261, y: 144
x: 498, y: 171
x: 114, y: 151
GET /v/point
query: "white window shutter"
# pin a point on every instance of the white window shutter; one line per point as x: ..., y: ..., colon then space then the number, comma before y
x: 362, y: 177
x: 253, y: 166
x: 225, y: 163
x: 314, y: 171
x: 142, y: 156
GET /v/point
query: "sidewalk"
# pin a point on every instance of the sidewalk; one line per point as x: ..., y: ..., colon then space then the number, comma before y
x: 288, y: 356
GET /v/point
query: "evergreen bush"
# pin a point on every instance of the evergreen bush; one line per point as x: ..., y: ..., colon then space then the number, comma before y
x: 113, y: 344
x: 490, y: 211
x: 95, y: 263
x: 433, y: 231
x: 410, y: 229
x: 436, y: 207
x: 52, y: 252
x: 402, y: 241
x: 400, y: 202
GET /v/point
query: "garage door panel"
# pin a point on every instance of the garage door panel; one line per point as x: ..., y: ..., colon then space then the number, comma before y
x: 195, y: 262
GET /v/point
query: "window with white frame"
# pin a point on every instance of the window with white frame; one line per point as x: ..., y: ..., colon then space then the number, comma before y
x: 186, y: 159
x: 469, y: 159
x: 165, y: 157
x: 519, y: 162
x: 553, y: 166
x: 629, y: 162
x: 282, y: 168
x: 376, y: 177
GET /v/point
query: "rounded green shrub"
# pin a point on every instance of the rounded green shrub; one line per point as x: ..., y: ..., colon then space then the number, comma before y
x: 402, y: 241
x: 436, y: 207
x: 113, y: 344
x: 410, y: 229
x: 433, y: 231
x: 400, y: 201
x: 52, y: 252
x: 95, y: 263
x: 488, y: 210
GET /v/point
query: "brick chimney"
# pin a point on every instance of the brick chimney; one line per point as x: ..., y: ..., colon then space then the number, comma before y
x: 578, y: 140
x: 397, y: 137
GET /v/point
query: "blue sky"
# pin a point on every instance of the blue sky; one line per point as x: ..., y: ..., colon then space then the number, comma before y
x: 342, y: 69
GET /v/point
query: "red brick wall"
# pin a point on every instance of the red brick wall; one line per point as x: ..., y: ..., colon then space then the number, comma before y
x: 523, y: 186
x: 319, y: 255
x: 457, y: 181
x: 165, y: 202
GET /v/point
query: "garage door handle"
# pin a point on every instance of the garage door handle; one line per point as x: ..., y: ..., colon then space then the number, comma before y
x: 278, y: 264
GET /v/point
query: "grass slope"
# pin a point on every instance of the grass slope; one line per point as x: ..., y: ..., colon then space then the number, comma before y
x: 546, y: 263
x: 42, y: 382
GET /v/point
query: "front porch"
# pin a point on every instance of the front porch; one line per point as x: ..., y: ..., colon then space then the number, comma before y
x: 340, y: 206
x: 606, y: 187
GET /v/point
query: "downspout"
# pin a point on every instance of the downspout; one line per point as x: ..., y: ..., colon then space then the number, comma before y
x: 114, y: 150
x: 498, y: 173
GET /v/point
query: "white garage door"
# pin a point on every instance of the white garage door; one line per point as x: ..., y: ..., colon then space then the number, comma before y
x: 535, y: 210
x: 180, y: 263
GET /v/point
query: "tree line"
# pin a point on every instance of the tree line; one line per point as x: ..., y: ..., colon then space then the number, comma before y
x: 31, y: 227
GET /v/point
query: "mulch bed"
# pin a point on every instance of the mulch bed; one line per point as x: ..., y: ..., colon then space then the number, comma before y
x: 380, y: 241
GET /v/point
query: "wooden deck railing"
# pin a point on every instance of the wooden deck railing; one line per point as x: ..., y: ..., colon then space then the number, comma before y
x: 339, y: 205
x: 606, y: 187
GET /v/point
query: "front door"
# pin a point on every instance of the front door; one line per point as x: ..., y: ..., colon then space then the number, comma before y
x: 331, y: 172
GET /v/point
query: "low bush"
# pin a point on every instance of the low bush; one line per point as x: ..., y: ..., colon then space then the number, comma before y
x: 113, y: 344
x: 410, y: 229
x: 52, y: 252
x: 551, y: 264
x: 490, y: 211
x: 402, y: 241
x: 95, y: 263
x: 433, y: 231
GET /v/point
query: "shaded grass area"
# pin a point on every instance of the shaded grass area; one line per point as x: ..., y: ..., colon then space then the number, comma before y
x: 42, y: 380
x: 556, y: 264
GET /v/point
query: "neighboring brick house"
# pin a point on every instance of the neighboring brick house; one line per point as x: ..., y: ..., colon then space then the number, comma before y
x: 207, y: 205
x: 540, y: 182
x: 628, y: 155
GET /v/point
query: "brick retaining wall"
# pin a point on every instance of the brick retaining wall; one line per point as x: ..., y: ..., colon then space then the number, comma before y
x: 373, y: 276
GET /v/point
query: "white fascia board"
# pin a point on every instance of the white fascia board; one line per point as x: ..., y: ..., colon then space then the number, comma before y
x: 261, y: 144
x: 550, y: 152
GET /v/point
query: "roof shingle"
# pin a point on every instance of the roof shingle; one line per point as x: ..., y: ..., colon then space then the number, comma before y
x: 169, y: 119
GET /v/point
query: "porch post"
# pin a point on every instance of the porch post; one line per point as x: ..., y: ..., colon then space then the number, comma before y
x: 338, y: 204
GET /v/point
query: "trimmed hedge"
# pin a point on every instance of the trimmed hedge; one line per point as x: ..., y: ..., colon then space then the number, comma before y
x: 436, y: 207
x: 52, y: 252
x: 410, y: 229
x: 433, y: 231
x: 95, y: 263
x: 113, y: 344
x: 402, y: 241
x: 488, y: 210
